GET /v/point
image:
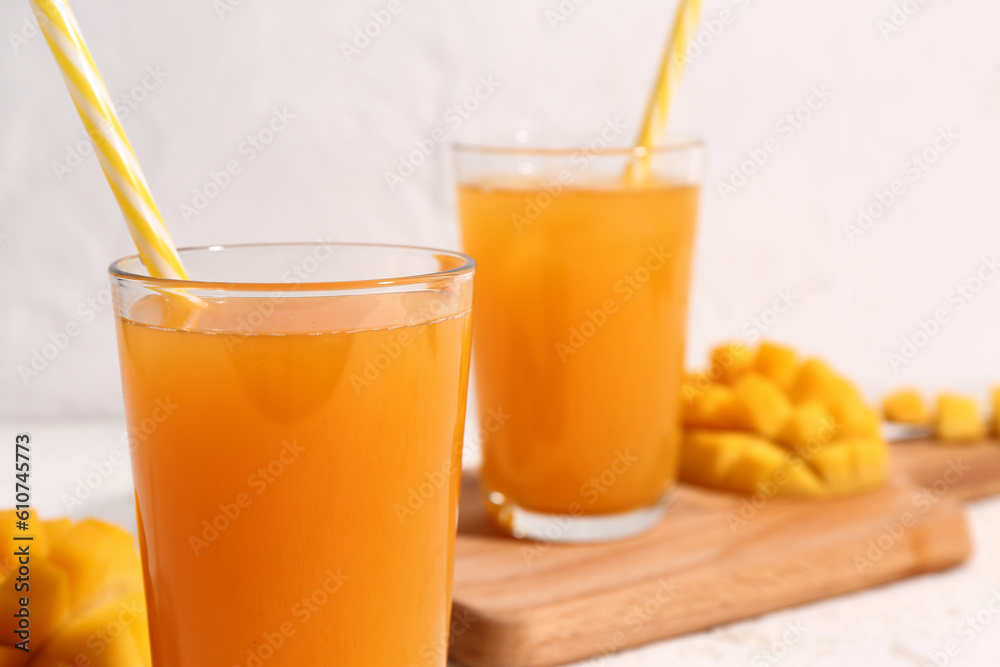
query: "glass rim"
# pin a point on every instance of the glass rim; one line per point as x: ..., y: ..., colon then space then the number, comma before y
x: 673, y: 144
x: 466, y: 267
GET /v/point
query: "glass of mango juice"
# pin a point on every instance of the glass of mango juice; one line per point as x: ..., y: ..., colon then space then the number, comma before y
x: 584, y: 258
x: 283, y: 408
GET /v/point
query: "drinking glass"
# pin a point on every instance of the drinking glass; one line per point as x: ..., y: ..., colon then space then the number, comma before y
x: 295, y: 415
x: 584, y: 261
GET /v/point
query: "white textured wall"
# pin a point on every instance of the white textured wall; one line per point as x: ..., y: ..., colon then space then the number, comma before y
x: 225, y: 66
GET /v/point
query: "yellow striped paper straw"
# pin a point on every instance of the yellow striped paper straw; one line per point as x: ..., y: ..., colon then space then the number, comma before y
x: 117, y: 158
x: 654, y: 126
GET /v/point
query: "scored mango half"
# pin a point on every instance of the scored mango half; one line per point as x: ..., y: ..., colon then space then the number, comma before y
x: 85, y: 583
x: 766, y: 421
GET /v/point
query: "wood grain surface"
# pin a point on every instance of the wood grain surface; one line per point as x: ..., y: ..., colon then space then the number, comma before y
x: 714, y: 559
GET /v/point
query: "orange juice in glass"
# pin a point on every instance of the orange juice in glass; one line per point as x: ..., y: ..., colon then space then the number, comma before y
x: 281, y: 415
x: 581, y: 304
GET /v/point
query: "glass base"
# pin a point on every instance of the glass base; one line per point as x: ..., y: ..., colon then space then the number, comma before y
x: 570, y: 528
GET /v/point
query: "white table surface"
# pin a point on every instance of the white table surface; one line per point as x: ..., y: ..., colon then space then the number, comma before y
x: 907, y: 624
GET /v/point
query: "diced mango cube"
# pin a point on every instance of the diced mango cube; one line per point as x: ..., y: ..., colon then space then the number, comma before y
x: 49, y: 603
x: 871, y: 462
x: 111, y: 635
x: 764, y: 404
x: 708, y: 456
x: 835, y: 465
x: 958, y: 419
x: 56, y: 528
x: 905, y: 406
x: 853, y: 417
x: 741, y: 462
x: 100, y: 562
x: 85, y: 602
x: 802, y: 481
x: 757, y: 467
x: 815, y: 381
x: 996, y: 411
x: 715, y: 407
x: 730, y: 361
x: 853, y: 465
x: 777, y: 362
x: 810, y: 426
x: 761, y: 422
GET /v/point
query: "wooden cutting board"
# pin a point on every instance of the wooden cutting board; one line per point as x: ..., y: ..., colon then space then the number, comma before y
x: 714, y: 559
x: 935, y: 466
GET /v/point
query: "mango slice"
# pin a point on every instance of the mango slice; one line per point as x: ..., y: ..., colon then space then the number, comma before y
x: 85, y: 600
x: 996, y: 411
x: 709, y: 456
x: 99, y: 560
x: 809, y: 427
x: 770, y: 424
x: 958, y: 419
x: 852, y: 418
x: 816, y: 381
x: 779, y: 363
x: 758, y: 465
x: 871, y: 460
x: 905, y: 406
x: 736, y: 461
x: 729, y: 361
x: 112, y: 635
x: 763, y: 402
x: 48, y: 602
x: 716, y: 407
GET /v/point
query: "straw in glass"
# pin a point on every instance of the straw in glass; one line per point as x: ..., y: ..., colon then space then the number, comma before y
x: 117, y: 158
